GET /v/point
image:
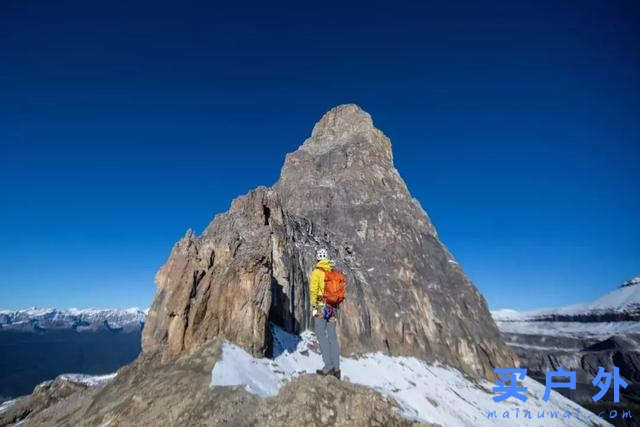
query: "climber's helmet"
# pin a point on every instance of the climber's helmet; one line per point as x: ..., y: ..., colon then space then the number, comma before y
x: 322, y: 254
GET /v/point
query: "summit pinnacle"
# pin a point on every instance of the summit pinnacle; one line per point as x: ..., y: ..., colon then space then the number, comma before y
x: 339, y: 190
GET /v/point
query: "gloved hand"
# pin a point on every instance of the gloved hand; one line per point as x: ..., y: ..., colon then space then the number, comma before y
x: 327, y: 312
x: 315, y: 312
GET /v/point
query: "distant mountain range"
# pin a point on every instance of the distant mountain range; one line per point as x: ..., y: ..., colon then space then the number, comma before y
x: 37, y: 344
x: 617, y: 312
x: 580, y: 337
x: 39, y: 319
x: 620, y: 304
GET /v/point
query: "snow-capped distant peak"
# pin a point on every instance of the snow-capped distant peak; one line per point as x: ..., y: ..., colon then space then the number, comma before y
x: 617, y: 312
x: 78, y: 319
x: 624, y: 300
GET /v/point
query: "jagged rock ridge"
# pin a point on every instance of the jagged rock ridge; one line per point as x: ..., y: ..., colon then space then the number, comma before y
x: 339, y: 190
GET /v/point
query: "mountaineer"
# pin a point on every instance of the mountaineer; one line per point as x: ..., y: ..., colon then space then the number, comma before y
x: 327, y: 288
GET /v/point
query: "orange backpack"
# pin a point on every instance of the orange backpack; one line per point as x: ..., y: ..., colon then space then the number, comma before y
x: 335, y: 287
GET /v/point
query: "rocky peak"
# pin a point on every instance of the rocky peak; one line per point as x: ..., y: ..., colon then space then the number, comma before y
x: 345, y: 118
x: 340, y: 191
x: 343, y: 125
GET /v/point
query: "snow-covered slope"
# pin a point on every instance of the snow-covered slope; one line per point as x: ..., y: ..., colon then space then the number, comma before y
x: 424, y: 391
x: 87, y: 380
x: 80, y: 320
x: 622, y: 299
x: 617, y: 312
x: 5, y: 405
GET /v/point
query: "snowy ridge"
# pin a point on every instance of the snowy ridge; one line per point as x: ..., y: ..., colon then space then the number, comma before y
x: 88, y: 380
x: 631, y: 282
x: 73, y: 318
x: 624, y: 299
x: 5, y: 405
x: 424, y: 391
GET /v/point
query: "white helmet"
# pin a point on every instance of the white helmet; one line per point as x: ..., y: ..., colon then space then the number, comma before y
x: 322, y: 254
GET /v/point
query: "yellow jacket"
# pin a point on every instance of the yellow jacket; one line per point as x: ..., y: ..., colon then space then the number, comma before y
x: 316, y: 282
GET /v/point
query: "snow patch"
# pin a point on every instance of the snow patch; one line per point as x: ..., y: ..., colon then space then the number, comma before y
x: 5, y: 405
x: 89, y: 380
x: 631, y: 282
x: 428, y: 392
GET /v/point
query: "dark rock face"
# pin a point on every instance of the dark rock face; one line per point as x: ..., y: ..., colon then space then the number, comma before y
x: 544, y: 353
x: 339, y: 190
x: 539, y: 354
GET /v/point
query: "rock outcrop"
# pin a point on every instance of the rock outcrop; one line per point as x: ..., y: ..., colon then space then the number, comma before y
x: 177, y: 393
x: 44, y: 396
x: 340, y: 190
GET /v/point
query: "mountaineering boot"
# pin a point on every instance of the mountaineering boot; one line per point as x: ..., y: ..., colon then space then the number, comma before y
x: 323, y: 372
x: 335, y: 373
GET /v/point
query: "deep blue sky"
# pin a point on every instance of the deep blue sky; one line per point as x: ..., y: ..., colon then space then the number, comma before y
x: 516, y: 124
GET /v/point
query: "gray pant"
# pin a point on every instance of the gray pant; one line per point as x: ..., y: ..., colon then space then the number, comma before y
x: 328, y: 340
